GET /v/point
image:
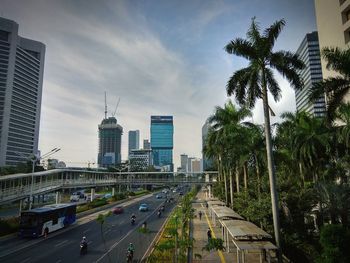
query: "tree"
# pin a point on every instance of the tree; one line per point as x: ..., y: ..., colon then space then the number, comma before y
x: 254, y: 82
x: 335, y: 88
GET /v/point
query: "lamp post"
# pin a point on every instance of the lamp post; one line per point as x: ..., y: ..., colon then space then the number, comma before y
x: 34, y: 158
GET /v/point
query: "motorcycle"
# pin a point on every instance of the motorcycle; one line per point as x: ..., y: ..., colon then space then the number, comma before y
x: 129, y: 256
x: 159, y: 213
x: 83, y: 248
x: 132, y: 221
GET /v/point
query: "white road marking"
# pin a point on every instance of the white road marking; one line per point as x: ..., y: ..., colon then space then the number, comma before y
x: 59, y: 261
x: 26, y: 260
x: 89, y: 242
x: 61, y: 243
x: 87, y: 230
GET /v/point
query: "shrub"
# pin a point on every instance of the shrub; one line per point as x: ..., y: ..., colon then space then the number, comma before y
x: 118, y: 196
x: 8, y: 226
x: 335, y: 241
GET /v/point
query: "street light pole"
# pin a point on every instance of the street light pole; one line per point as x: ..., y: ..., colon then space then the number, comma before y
x: 34, y: 160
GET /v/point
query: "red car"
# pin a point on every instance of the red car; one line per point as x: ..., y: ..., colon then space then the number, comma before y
x: 118, y: 210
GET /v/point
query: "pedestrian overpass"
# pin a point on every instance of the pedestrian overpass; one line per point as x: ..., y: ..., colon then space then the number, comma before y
x: 20, y: 186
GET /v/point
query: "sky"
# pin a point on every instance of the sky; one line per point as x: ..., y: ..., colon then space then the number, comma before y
x: 160, y: 57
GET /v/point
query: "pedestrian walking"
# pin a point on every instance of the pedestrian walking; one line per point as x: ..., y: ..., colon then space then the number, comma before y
x: 200, y: 215
x: 209, y: 234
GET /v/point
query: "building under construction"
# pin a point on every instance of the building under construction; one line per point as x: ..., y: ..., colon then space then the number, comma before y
x: 110, y: 140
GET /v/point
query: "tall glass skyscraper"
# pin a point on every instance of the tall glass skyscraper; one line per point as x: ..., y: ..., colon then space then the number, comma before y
x: 309, y: 53
x: 162, y: 142
x: 134, y: 140
x: 21, y: 82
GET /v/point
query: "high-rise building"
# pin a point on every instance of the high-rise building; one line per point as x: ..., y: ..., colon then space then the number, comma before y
x: 110, y: 141
x: 333, y: 26
x: 184, y: 161
x: 207, y: 162
x: 146, y: 144
x: 189, y: 164
x: 196, y: 165
x: 140, y: 160
x: 21, y: 81
x: 309, y: 53
x: 134, y: 140
x: 162, y: 132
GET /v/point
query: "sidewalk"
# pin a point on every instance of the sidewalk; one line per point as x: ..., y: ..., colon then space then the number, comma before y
x: 200, y: 228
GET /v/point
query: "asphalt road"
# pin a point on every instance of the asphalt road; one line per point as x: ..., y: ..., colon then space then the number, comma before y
x: 117, y: 232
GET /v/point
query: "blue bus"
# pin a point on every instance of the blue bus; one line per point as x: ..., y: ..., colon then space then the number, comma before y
x: 44, y: 220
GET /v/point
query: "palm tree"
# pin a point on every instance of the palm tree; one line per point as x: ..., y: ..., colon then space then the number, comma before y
x: 225, y: 123
x: 335, y: 88
x: 253, y: 82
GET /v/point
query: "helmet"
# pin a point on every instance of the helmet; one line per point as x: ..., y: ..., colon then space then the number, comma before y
x: 131, y: 244
x: 84, y: 238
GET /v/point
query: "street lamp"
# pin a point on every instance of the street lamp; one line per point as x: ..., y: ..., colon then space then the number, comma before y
x: 34, y: 158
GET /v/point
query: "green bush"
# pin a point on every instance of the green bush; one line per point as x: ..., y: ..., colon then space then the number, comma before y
x: 335, y: 240
x: 8, y: 226
x: 97, y: 203
x: 118, y: 196
x: 131, y: 194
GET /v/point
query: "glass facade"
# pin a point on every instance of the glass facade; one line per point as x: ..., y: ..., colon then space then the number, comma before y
x: 309, y: 53
x: 162, y: 143
x: 110, y: 140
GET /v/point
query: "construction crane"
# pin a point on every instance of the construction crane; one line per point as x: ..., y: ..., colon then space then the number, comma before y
x: 116, y: 107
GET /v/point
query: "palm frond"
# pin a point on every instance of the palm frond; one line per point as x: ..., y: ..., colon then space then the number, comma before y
x: 271, y: 33
x: 253, y: 33
x: 272, y: 84
x: 241, y: 47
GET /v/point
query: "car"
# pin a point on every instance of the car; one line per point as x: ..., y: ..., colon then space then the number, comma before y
x: 174, y: 191
x: 108, y: 195
x: 117, y: 210
x: 143, y: 208
x: 159, y: 196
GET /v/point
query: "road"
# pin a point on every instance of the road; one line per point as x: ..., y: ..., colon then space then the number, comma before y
x: 117, y: 232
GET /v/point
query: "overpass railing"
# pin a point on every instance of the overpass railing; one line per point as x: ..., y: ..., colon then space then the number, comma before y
x: 19, y: 186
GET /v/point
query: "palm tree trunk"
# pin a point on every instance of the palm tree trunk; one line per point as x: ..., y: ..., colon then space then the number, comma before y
x: 225, y: 182
x: 237, y: 178
x: 302, y: 173
x: 231, y: 187
x: 271, y: 167
x: 257, y: 174
x: 245, y: 172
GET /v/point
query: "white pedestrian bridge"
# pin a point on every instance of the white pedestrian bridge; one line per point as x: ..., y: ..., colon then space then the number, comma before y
x: 19, y: 186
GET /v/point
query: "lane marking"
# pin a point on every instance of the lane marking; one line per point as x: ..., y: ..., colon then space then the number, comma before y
x: 59, y: 261
x: 222, y: 258
x: 87, y: 230
x: 80, y: 221
x: 26, y: 260
x: 61, y: 243
x: 127, y: 234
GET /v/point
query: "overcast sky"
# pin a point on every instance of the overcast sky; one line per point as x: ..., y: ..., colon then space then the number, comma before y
x: 160, y: 57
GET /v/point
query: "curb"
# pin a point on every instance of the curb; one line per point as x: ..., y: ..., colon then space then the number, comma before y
x: 156, y: 238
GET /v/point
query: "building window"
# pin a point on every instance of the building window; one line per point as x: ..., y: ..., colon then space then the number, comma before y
x: 4, y: 35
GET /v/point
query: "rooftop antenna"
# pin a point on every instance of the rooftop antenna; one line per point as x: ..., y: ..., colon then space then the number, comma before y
x: 105, y: 106
x: 116, y: 107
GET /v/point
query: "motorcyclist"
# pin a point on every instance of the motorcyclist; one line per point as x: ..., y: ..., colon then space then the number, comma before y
x: 159, y: 212
x: 84, y: 242
x: 131, y: 249
x: 133, y: 216
x: 83, y: 245
x: 162, y: 208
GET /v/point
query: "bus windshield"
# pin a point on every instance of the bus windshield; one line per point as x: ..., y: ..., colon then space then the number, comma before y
x: 28, y: 220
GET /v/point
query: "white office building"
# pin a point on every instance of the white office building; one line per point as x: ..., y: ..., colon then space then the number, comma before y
x: 21, y: 81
